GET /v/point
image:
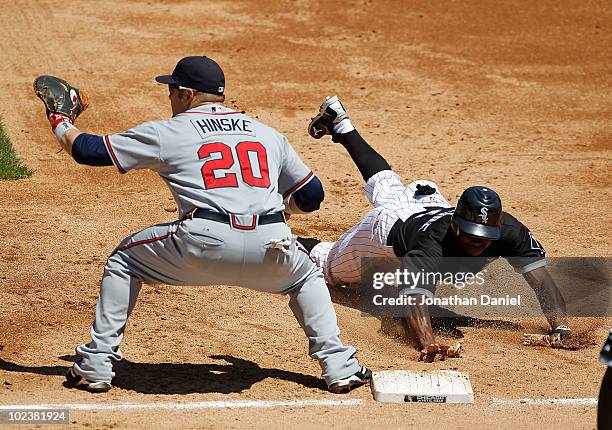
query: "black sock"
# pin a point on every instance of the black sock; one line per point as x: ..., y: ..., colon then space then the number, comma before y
x: 368, y: 161
x: 308, y: 242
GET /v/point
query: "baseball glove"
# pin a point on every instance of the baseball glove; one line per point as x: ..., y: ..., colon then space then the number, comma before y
x: 60, y: 98
x: 550, y: 340
x: 556, y: 338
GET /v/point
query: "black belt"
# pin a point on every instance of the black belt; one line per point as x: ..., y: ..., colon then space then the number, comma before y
x: 231, y: 220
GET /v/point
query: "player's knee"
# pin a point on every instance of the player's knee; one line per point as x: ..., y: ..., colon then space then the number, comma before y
x: 116, y: 263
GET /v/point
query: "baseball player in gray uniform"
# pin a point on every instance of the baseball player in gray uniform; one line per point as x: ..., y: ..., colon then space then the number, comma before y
x: 232, y: 178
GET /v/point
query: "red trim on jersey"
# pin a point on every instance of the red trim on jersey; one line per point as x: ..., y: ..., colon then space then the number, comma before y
x: 142, y: 242
x: 298, y: 185
x: 243, y: 227
x: 112, y: 154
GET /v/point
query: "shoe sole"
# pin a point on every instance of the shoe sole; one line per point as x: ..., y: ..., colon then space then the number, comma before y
x: 316, y: 132
x: 343, y: 389
x: 78, y: 382
x: 97, y: 387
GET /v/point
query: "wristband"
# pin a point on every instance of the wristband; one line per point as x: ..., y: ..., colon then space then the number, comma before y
x: 61, y: 128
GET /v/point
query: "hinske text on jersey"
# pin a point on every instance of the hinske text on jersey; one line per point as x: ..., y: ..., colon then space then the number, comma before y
x: 211, y: 126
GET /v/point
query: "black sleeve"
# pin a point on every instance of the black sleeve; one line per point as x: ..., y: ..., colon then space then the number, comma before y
x: 90, y: 149
x: 368, y: 161
x: 519, y: 246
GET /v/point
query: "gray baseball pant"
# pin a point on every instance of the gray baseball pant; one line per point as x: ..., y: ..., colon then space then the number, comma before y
x: 203, y: 252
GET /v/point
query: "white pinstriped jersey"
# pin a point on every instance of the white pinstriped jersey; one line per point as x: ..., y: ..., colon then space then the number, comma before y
x: 341, y: 260
x: 212, y: 157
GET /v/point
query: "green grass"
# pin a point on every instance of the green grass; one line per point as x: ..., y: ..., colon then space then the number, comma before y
x: 11, y: 167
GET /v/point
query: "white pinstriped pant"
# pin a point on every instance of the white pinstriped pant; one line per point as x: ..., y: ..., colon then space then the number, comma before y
x: 341, y: 261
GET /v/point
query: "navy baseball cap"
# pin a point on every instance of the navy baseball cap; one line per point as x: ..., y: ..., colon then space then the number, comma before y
x: 197, y: 72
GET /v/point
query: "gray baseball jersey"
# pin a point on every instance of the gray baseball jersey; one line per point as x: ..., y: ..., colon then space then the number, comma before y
x: 214, y: 158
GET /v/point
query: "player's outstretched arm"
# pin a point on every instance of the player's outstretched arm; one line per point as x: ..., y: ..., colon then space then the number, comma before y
x: 84, y: 148
x: 419, y: 320
x: 550, y: 298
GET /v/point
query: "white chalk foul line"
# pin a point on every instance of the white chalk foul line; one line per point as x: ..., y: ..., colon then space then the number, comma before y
x: 586, y: 401
x: 263, y: 404
x: 212, y: 404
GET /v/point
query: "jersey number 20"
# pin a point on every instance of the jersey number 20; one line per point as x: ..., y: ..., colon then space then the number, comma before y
x: 243, y: 149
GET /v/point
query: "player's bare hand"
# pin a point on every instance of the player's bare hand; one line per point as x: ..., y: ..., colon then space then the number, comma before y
x: 428, y: 354
x: 441, y: 352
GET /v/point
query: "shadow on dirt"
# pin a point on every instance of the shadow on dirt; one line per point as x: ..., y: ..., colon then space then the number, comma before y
x: 235, y: 376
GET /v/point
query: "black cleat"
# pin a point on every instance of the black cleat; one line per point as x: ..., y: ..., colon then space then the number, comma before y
x: 76, y: 381
x: 363, y: 376
x: 330, y: 113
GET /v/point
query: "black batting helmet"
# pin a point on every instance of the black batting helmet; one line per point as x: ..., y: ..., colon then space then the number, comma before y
x: 479, y: 213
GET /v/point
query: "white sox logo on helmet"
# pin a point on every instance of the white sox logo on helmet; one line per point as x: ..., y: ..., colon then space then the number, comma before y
x: 484, y: 216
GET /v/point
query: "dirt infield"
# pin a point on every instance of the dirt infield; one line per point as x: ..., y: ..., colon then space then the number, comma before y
x: 515, y: 95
